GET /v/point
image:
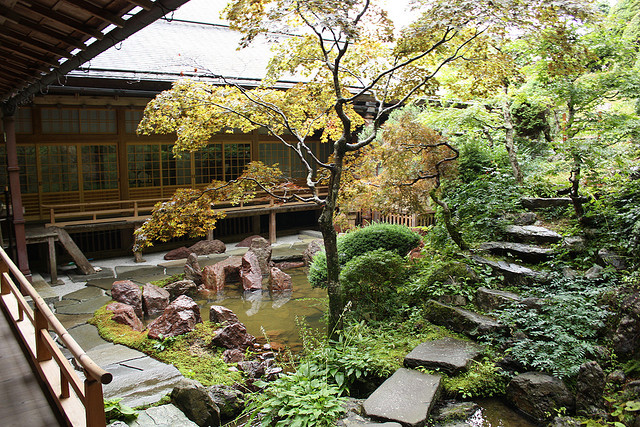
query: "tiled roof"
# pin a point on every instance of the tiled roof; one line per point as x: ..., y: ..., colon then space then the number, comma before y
x: 167, y: 50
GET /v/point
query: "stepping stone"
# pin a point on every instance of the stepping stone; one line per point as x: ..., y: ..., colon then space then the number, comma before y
x: 461, y: 320
x: 491, y: 299
x: 104, y: 283
x: 522, y: 251
x: 547, y: 202
x: 161, y: 416
x: 406, y: 397
x: 87, y: 337
x: 532, y: 233
x: 84, y: 307
x: 84, y: 294
x: 514, y: 274
x: 447, y: 354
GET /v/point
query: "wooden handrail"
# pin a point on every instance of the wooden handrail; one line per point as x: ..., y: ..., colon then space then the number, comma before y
x: 85, y: 406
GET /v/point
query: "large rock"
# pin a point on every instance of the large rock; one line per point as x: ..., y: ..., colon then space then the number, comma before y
x: 180, y: 317
x: 232, y: 355
x: 159, y: 416
x: 194, y: 400
x: 154, y: 300
x: 279, y: 281
x: 182, y: 287
x: 127, y: 292
x: 529, y: 253
x: 262, y: 248
x: 448, y: 354
x: 250, y: 273
x: 126, y: 315
x: 492, y: 299
x: 220, y: 314
x: 246, y: 242
x: 233, y: 336
x: 215, y: 276
x: 179, y: 253
x: 539, y: 395
x: 608, y: 258
x: 229, y: 400
x: 192, y: 270
x: 406, y: 397
x: 207, y: 247
x: 626, y: 339
x: 532, y: 233
x: 513, y: 274
x: 461, y: 320
x: 590, y: 389
x: 546, y: 202
x: 313, y: 248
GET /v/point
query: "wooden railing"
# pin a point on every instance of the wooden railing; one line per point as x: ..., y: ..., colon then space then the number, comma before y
x: 410, y: 220
x: 82, y: 407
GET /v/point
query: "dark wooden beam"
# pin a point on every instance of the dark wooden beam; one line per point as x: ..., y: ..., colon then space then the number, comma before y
x: 30, y: 41
x: 145, y: 4
x: 23, y: 22
x: 45, y: 12
x: 98, y: 12
x: 35, y: 56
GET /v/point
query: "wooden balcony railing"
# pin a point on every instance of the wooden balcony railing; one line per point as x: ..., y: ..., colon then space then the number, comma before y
x: 81, y: 406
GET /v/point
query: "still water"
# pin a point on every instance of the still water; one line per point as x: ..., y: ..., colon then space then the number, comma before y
x: 275, y: 315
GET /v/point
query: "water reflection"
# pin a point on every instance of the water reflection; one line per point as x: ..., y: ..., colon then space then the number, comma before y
x: 275, y: 313
x: 494, y: 413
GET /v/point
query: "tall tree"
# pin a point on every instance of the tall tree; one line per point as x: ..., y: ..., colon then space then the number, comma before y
x: 347, y: 51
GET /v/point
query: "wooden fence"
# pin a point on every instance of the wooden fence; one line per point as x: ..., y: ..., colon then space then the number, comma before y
x: 410, y: 220
x: 81, y: 406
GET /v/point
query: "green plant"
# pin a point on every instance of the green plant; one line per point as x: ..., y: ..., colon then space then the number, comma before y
x: 395, y: 238
x: 317, y: 275
x: 301, y: 399
x: 164, y: 282
x: 432, y: 277
x: 369, y: 281
x: 163, y: 342
x: 115, y: 411
x: 481, y: 380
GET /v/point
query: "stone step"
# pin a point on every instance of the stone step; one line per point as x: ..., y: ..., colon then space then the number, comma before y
x: 547, y: 202
x: 532, y: 233
x: 447, y: 354
x: 406, y: 398
x: 492, y: 299
x: 514, y: 274
x: 460, y: 320
x: 528, y: 253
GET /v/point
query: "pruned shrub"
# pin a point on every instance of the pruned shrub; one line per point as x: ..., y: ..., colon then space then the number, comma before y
x: 395, y: 238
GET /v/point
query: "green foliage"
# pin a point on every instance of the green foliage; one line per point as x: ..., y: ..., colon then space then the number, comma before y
x: 370, y: 280
x: 317, y: 275
x: 164, y: 282
x: 481, y: 380
x: 476, y: 159
x: 560, y: 335
x: 395, y: 238
x: 434, y: 276
x: 115, y: 411
x: 303, y: 398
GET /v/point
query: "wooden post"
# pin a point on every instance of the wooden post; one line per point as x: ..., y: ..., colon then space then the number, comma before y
x: 272, y: 227
x: 53, y: 269
x: 255, y: 224
x: 64, y: 386
x: 94, y: 403
x: 41, y: 326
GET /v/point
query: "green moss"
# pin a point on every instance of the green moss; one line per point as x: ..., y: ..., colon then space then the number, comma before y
x: 164, y: 282
x: 189, y: 353
x: 481, y: 380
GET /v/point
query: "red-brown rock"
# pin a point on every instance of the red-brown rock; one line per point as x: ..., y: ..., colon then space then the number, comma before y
x: 215, y: 276
x: 181, y: 287
x: 245, y: 243
x: 127, y: 292
x: 192, y: 270
x: 207, y: 247
x: 124, y: 314
x: 250, y: 272
x: 220, y: 314
x: 262, y: 248
x: 232, y: 355
x: 313, y: 248
x: 286, y: 265
x: 180, y: 317
x: 233, y: 336
x: 154, y: 300
x: 279, y: 280
x: 179, y: 253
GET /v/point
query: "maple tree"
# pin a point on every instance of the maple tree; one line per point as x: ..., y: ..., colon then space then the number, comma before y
x: 345, y: 51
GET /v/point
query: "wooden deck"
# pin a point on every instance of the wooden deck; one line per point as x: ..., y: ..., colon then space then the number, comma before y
x: 22, y: 400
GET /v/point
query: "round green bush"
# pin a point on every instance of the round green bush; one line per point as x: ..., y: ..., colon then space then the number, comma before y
x: 370, y: 281
x: 318, y: 271
x: 398, y: 239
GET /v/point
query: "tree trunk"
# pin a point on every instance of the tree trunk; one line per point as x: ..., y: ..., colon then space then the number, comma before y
x: 329, y: 234
x: 453, y: 231
x: 576, y: 200
x: 509, y: 141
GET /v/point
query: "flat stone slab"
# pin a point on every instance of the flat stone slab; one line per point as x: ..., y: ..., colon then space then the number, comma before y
x: 83, y: 307
x: 162, y: 416
x: 447, y: 354
x: 460, y: 320
x: 532, y: 233
x: 104, y: 283
x: 491, y: 299
x: 522, y: 251
x: 131, y: 272
x: 72, y: 320
x: 141, y: 381
x: 104, y: 273
x: 513, y: 273
x: 109, y: 354
x: 87, y: 337
x: 406, y: 397
x: 312, y: 233
x: 547, y: 202
x: 84, y: 294
x: 44, y: 289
